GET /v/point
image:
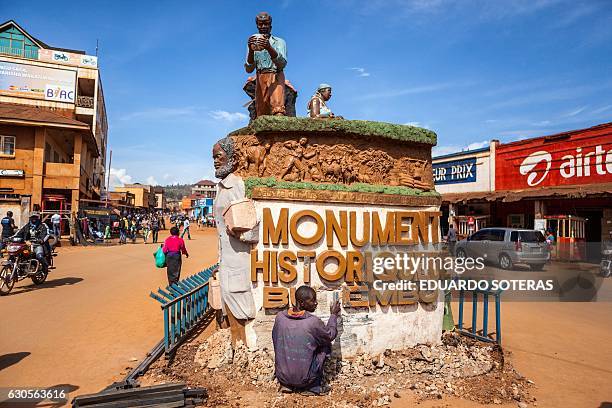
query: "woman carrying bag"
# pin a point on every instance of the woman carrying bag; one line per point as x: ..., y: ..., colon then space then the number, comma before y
x: 173, y: 247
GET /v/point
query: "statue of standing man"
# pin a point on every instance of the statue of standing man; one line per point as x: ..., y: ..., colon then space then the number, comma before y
x: 268, y: 55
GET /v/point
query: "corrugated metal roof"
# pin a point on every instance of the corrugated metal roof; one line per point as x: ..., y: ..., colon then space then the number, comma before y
x: 575, y: 191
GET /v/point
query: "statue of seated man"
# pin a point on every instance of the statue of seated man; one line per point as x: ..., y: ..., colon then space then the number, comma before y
x: 317, y: 106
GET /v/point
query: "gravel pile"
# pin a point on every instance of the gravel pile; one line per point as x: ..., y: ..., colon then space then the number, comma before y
x: 459, y: 367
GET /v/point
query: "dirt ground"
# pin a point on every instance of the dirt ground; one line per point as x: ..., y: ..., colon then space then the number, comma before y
x: 93, y: 319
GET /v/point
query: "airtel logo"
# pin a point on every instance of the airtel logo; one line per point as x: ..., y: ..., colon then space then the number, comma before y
x: 530, y: 164
x: 570, y: 166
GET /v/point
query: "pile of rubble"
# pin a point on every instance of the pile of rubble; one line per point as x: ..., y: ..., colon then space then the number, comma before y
x: 458, y: 367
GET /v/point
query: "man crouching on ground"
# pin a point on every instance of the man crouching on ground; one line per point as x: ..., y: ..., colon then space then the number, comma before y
x: 302, y: 342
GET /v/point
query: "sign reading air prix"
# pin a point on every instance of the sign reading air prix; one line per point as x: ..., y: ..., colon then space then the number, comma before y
x: 576, y: 158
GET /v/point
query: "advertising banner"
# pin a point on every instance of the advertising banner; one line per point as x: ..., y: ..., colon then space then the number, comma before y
x: 456, y: 171
x: 28, y: 81
x: 575, y: 158
x: 68, y: 58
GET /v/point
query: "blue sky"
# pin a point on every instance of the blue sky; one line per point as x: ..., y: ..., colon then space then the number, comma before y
x: 470, y: 70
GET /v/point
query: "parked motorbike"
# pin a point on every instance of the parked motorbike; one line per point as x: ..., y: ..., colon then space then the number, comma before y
x: 22, y: 264
x: 606, y: 259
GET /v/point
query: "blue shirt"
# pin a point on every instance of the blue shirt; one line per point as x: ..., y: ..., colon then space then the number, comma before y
x: 263, y: 61
x: 8, y: 227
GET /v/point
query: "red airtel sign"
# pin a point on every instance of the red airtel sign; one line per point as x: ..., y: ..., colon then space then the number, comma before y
x: 573, y: 158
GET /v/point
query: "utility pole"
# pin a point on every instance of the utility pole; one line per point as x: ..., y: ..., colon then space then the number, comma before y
x: 110, y: 162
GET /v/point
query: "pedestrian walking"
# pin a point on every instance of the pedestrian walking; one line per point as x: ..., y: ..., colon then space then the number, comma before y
x: 173, y: 247
x: 155, y: 228
x: 133, y: 230
x: 146, y: 229
x: 8, y: 227
x: 123, y: 225
x: 55, y: 223
x: 451, y: 239
x: 186, y: 229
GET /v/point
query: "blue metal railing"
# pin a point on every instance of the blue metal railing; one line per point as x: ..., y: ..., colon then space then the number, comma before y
x: 473, y: 332
x: 184, y: 305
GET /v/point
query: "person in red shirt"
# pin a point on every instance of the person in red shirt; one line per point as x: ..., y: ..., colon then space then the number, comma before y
x: 173, y: 247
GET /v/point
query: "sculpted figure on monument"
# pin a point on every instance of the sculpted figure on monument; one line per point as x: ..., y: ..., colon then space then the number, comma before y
x: 267, y: 55
x: 250, y: 88
x: 256, y: 158
x: 295, y: 168
x: 317, y: 106
x: 238, y: 306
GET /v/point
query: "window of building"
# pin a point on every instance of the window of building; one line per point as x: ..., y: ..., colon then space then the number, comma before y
x: 47, y: 152
x: 12, y: 41
x: 7, y: 145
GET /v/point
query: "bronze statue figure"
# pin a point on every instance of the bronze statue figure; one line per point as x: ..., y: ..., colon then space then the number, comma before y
x: 317, y: 106
x: 250, y: 88
x: 267, y: 54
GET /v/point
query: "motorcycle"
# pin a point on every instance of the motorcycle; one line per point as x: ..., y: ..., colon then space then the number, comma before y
x: 606, y: 259
x: 22, y: 264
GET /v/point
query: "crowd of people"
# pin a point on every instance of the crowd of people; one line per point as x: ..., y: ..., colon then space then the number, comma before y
x: 146, y: 225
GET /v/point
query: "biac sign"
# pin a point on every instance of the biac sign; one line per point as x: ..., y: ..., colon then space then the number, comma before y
x: 456, y: 171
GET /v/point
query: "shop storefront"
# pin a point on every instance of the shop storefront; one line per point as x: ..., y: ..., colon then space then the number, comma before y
x: 561, y: 183
x: 466, y: 181
x: 202, y: 207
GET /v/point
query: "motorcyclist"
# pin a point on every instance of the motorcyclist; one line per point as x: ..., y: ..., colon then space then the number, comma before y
x: 38, y: 233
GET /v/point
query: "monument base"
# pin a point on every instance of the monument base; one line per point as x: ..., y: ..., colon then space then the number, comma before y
x: 380, y: 319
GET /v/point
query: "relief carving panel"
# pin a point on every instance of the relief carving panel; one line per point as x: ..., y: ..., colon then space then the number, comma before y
x: 344, y: 159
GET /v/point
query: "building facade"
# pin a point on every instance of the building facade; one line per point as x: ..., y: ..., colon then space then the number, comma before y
x: 160, y: 198
x: 144, y: 195
x: 465, y: 179
x: 53, y: 126
x: 205, y: 189
x: 560, y: 183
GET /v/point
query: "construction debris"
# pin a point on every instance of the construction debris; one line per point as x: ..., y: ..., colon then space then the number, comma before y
x: 459, y: 367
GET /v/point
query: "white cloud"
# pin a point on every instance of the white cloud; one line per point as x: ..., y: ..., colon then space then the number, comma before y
x: 418, y: 124
x: 361, y: 72
x: 477, y: 145
x: 443, y: 150
x: 575, y: 112
x: 119, y: 177
x: 602, y: 109
x: 151, y: 181
x: 410, y: 91
x: 227, y: 116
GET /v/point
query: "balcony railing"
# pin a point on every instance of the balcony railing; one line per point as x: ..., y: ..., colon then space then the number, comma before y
x: 20, y: 52
x: 85, y: 101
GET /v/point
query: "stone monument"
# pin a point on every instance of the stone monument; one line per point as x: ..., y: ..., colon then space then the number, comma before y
x: 331, y: 197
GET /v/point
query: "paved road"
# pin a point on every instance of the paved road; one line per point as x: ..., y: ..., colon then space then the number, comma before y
x: 93, y: 315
